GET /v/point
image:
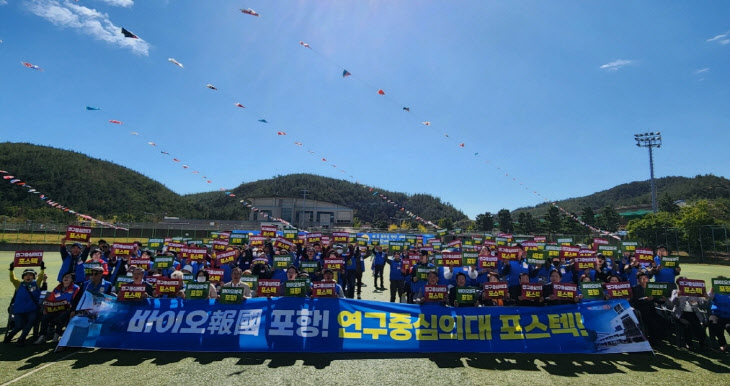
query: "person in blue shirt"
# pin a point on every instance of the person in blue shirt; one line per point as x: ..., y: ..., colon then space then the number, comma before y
x: 719, y: 321
x: 512, y: 271
x: 24, y: 305
x: 73, y: 261
x: 397, y: 279
x: 378, y: 266
x: 663, y: 274
x: 416, y: 284
x: 96, y: 283
x: 354, y: 267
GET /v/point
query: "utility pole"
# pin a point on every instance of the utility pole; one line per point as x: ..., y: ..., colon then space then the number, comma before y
x: 650, y: 140
x: 304, y: 210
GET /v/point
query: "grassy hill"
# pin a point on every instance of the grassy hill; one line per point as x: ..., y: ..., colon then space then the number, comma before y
x: 103, y: 189
x: 367, y: 207
x: 638, y: 193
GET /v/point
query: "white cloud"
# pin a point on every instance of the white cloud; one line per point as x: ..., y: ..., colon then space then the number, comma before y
x: 616, y: 64
x: 701, y: 70
x: 3, y: 2
x: 723, y: 39
x: 89, y: 21
x: 119, y: 3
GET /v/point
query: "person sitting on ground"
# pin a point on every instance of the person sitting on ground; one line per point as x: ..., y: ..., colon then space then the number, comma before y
x: 431, y: 280
x: 24, y: 305
x: 59, y: 308
x: 688, y: 312
x: 719, y: 321
x: 460, y: 283
x: 96, y: 283
x: 329, y: 277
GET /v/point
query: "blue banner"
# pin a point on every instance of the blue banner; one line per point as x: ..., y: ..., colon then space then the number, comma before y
x: 289, y: 324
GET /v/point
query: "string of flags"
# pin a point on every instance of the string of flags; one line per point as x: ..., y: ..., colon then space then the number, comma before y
x: 12, y: 180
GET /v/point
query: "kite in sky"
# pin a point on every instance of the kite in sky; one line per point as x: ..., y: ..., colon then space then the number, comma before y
x: 461, y: 144
x: 31, y: 66
x: 128, y: 34
x: 164, y: 152
x: 298, y: 143
x: 185, y: 166
x: 134, y: 133
x: 381, y: 92
x: 175, y: 62
x: 115, y: 121
x: 427, y: 123
x: 280, y: 133
x: 304, y: 44
x: 92, y: 108
x: 324, y: 159
x: 407, y: 109
x: 250, y: 12
x: 210, y: 86
x: 240, y: 105
x: 346, y: 73
x: 151, y: 143
x: 176, y: 160
x: 263, y: 121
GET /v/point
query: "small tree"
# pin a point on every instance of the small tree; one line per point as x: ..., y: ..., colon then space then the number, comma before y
x: 504, y: 217
x: 485, y: 222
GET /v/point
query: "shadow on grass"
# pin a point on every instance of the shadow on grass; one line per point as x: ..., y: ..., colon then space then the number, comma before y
x: 567, y: 365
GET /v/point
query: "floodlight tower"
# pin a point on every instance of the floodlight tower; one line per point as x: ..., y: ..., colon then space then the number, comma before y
x: 650, y: 140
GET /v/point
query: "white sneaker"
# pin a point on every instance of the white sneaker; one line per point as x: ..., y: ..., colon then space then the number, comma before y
x: 56, y: 338
x: 41, y: 340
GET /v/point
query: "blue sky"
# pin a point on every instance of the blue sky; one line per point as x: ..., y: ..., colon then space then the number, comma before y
x: 551, y: 92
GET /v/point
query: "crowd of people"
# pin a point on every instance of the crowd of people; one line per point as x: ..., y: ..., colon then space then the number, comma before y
x: 95, y: 269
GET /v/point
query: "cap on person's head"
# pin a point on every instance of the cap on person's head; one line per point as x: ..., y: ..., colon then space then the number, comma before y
x: 600, y: 256
x: 97, y: 269
x: 29, y: 271
x: 77, y: 245
x: 188, y: 268
x: 94, y: 251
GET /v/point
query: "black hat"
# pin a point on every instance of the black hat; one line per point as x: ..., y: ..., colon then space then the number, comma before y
x: 29, y: 270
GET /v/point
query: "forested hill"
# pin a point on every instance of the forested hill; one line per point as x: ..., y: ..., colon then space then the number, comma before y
x: 368, y: 208
x: 639, y: 193
x: 103, y: 189
x: 87, y: 185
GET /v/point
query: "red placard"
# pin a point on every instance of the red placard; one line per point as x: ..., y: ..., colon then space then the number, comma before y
x: 435, y: 293
x: 57, y: 306
x: 219, y: 244
x: 256, y: 241
x: 539, y: 239
x: 175, y: 247
x: 495, y: 290
x: 167, y: 286
x: 407, y: 264
x: 77, y: 233
x: 452, y: 259
x: 268, y: 231
x: 427, y: 248
x: 568, y: 253
x: 141, y: 263
x: 565, y: 291
x: 225, y: 257
x: 340, y: 237
x: 620, y: 290
x: 532, y: 291
x: 325, y: 241
x: 215, y: 275
x: 597, y: 242
x: 152, y: 280
x: 530, y: 245
x: 123, y: 249
x: 508, y: 253
x: 314, y: 237
x: 488, y: 262
x: 168, y: 240
x: 268, y: 287
x: 131, y: 292
x: 194, y: 254
x: 324, y: 289
x: 333, y: 264
x: 583, y: 263
x: 28, y: 258
x: 490, y: 243
x: 689, y: 287
x: 454, y: 244
x: 283, y: 243
x: 644, y: 255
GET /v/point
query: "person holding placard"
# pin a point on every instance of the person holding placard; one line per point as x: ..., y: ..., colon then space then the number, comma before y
x: 329, y: 277
x: 378, y: 266
x: 73, y: 261
x: 96, y: 283
x: 486, y: 300
x: 204, y: 277
x: 531, y: 295
x: 416, y: 282
x: 425, y: 296
x: 59, y: 308
x: 687, y: 310
x: 720, y: 311
x: 645, y: 304
x: 458, y: 292
x: 397, y: 278
x: 667, y: 271
x: 24, y: 305
x: 354, y: 267
x: 512, y: 270
x: 548, y: 290
x: 97, y: 260
x: 236, y: 282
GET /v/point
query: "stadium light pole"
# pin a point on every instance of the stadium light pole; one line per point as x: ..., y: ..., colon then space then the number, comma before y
x: 650, y: 140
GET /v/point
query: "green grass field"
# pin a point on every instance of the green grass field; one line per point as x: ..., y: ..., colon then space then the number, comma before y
x: 669, y: 365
